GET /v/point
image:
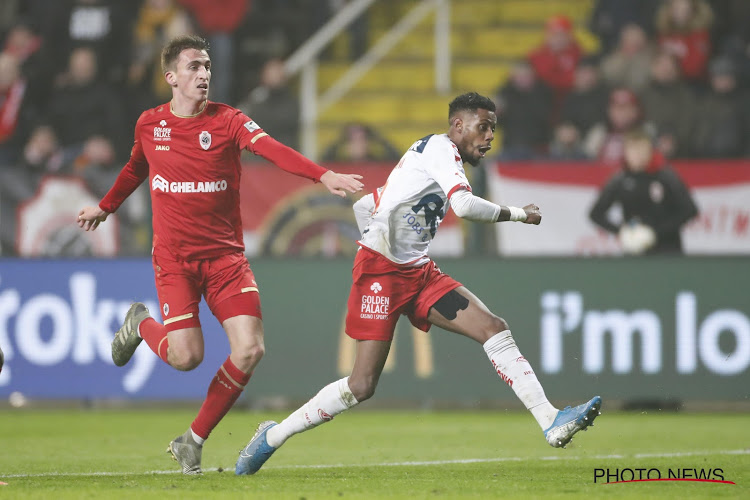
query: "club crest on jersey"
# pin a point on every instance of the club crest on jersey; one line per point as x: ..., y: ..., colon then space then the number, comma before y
x: 205, y: 139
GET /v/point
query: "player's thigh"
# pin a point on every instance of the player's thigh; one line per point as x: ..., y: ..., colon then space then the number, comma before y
x: 179, y: 292
x: 460, y: 311
x: 368, y: 365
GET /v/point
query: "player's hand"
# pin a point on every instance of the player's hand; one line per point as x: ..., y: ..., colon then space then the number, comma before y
x: 339, y: 184
x: 533, y: 215
x: 89, y: 218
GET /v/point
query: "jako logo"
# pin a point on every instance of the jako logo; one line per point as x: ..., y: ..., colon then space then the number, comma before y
x: 165, y: 186
x: 563, y: 315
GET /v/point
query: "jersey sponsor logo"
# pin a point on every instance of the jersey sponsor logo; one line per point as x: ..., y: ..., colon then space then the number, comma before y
x: 162, y: 133
x: 161, y: 147
x: 376, y: 287
x: 375, y: 307
x: 205, y: 139
x: 251, y: 126
x: 163, y: 123
x: 432, y: 205
x: 165, y: 186
x: 160, y: 183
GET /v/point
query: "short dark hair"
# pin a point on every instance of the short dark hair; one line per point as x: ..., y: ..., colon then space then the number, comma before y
x: 176, y: 45
x: 471, y: 101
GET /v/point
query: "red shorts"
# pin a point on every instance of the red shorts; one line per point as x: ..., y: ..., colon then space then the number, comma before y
x: 382, y: 291
x: 226, y: 282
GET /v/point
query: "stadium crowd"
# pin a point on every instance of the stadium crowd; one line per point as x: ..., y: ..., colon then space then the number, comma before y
x: 677, y: 68
x: 76, y: 74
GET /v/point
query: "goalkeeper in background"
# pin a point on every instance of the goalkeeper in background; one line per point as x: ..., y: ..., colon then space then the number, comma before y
x: 655, y: 202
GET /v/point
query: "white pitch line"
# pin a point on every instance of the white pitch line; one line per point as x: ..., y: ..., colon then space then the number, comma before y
x: 403, y: 464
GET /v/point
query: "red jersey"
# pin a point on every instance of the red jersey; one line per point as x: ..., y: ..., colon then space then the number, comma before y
x: 193, y: 166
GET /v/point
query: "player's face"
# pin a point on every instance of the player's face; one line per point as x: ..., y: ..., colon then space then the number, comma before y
x: 192, y: 74
x: 477, y: 130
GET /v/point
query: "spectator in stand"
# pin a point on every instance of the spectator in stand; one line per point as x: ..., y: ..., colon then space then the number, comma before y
x: 722, y: 127
x: 731, y: 35
x: 586, y: 104
x: 683, y: 28
x: 605, y: 141
x: 566, y: 144
x: 217, y: 21
x: 273, y: 105
x: 655, y: 202
x: 669, y: 104
x: 360, y: 143
x: 556, y: 59
x: 105, y: 26
x: 609, y: 17
x: 523, y: 108
x: 42, y: 153
x: 13, y: 121
x: 629, y: 64
x: 158, y: 22
x: 83, y: 109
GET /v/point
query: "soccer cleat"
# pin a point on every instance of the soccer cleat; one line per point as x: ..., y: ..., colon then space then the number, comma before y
x: 571, y: 420
x: 254, y: 455
x: 186, y: 452
x: 126, y: 339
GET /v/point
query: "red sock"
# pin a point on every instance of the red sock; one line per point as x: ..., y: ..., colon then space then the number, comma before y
x: 223, y: 391
x: 155, y: 335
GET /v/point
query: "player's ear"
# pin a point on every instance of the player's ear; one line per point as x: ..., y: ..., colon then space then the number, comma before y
x: 457, y: 123
x: 171, y: 79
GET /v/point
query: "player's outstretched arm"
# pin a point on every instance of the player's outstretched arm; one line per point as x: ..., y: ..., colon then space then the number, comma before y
x: 89, y: 218
x: 339, y: 184
x: 474, y: 208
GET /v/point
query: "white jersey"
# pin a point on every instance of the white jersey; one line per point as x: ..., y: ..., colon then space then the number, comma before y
x: 414, y: 200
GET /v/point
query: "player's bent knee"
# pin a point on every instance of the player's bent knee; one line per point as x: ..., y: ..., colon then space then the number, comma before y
x: 250, y: 354
x: 186, y: 361
x: 362, y: 389
x: 494, y: 325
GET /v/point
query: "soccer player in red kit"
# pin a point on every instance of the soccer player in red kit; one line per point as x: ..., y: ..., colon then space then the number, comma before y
x: 189, y: 149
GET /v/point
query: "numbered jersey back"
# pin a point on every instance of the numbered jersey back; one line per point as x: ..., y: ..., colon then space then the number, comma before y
x: 414, y: 200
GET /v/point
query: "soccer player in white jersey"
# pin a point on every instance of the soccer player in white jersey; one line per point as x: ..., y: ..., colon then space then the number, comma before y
x: 393, y: 275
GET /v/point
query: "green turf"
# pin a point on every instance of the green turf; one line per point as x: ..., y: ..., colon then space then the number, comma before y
x: 55, y: 454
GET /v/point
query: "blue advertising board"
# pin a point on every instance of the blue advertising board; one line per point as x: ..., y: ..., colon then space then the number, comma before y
x: 57, y: 320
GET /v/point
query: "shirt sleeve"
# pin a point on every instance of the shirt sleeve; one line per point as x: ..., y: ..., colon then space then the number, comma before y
x: 363, y: 209
x: 446, y: 167
x: 250, y: 136
x: 470, y: 207
x: 130, y: 177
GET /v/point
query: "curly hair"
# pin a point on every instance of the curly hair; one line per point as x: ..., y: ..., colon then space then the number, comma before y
x: 471, y: 101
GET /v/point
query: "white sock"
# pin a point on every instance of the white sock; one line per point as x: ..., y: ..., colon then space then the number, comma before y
x: 199, y: 440
x: 518, y: 374
x: 329, y: 402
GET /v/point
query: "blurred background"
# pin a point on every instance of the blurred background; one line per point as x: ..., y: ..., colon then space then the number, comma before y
x: 595, y: 300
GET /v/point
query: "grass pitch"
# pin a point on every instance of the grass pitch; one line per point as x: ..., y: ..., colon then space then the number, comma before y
x: 369, y: 454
